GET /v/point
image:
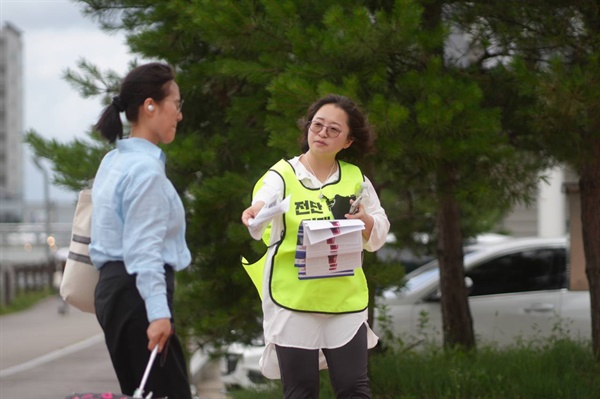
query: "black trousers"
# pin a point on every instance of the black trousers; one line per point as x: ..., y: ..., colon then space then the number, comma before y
x: 347, y: 369
x: 122, y: 315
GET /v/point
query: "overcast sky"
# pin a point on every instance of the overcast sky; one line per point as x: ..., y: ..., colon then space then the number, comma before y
x: 55, y: 35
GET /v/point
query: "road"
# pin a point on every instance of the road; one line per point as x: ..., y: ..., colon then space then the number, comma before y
x: 46, y: 355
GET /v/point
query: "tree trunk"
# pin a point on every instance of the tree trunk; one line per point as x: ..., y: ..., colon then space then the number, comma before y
x: 589, y: 186
x: 456, y: 315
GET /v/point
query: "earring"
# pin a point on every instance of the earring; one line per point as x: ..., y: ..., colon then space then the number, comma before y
x: 150, y: 107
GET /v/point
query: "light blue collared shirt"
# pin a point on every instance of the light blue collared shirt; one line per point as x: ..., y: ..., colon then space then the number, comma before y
x: 138, y: 218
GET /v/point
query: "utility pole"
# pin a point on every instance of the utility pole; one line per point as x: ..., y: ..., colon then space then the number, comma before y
x: 36, y: 161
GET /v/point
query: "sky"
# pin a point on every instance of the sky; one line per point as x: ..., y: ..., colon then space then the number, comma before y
x: 55, y: 36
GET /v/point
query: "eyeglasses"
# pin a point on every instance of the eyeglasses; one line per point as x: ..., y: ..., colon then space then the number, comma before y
x: 179, y: 105
x: 330, y: 131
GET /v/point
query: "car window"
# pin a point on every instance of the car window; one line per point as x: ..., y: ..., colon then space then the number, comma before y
x: 424, y: 274
x: 532, y: 270
x: 422, y: 278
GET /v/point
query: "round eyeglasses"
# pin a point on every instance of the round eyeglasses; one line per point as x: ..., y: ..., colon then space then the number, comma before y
x: 330, y: 131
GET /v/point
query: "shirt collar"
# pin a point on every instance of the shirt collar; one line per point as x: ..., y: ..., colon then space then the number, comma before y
x: 303, y: 174
x: 136, y: 144
x: 301, y: 171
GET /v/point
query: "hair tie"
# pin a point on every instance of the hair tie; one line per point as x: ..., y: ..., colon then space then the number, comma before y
x: 118, y: 103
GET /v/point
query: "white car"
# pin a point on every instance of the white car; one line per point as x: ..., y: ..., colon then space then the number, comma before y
x: 239, y: 366
x: 518, y: 289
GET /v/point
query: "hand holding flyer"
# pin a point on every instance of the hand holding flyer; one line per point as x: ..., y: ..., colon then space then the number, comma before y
x: 257, y: 225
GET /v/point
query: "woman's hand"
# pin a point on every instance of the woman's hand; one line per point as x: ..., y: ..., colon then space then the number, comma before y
x: 158, y: 333
x: 251, y: 212
x: 367, y: 219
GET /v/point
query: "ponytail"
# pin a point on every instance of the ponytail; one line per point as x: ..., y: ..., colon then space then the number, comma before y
x: 110, y: 125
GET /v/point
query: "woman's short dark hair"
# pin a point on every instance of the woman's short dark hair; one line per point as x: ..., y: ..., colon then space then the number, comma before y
x: 360, y: 131
x: 145, y: 81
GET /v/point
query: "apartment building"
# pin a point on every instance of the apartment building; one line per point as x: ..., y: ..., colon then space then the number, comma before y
x: 11, y: 124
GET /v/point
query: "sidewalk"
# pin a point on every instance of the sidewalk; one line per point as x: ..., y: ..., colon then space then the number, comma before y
x: 40, y: 330
x: 44, y: 354
x: 208, y: 382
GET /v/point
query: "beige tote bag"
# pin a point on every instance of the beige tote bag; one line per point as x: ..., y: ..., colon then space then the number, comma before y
x: 80, y: 277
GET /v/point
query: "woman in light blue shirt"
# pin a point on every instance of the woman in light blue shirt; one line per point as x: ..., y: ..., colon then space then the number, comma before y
x: 138, y: 234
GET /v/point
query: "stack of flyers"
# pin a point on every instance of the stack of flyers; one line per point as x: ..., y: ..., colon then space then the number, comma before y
x: 328, y: 248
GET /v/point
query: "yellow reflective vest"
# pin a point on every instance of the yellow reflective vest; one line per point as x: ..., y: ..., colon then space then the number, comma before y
x: 340, y: 294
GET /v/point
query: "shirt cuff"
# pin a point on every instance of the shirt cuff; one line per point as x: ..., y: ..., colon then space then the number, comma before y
x: 377, y: 239
x: 157, y: 308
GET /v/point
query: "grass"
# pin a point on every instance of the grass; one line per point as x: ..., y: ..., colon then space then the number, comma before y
x: 557, y: 369
x: 25, y: 300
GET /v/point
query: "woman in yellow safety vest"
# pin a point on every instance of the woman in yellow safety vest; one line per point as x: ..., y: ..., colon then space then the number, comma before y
x: 315, y: 320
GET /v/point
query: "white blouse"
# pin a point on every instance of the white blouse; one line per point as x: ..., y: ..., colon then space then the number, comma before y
x: 284, y: 327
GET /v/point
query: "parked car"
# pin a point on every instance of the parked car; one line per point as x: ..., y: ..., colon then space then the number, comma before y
x: 239, y: 366
x: 518, y: 288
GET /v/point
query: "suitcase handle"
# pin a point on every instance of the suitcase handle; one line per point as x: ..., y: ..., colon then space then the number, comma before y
x: 139, y: 392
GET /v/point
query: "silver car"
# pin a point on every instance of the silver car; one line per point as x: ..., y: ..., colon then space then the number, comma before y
x: 518, y: 289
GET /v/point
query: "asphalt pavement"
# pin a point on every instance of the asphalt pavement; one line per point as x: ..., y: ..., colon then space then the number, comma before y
x: 48, y: 355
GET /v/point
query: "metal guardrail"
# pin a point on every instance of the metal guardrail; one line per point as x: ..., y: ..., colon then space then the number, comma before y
x: 28, y: 257
x: 17, y: 234
x: 20, y: 278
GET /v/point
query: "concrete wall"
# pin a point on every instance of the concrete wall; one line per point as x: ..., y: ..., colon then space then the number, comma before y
x: 546, y: 216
